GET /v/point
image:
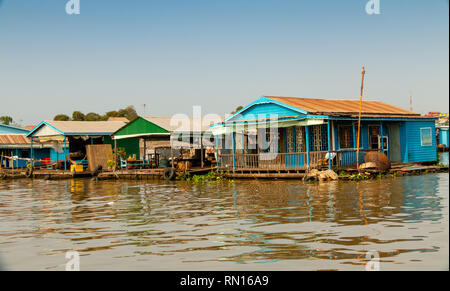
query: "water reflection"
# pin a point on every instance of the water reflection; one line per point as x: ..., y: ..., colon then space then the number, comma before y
x: 443, y: 158
x: 242, y: 225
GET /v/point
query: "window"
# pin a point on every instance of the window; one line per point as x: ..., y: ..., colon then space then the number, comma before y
x: 345, y: 137
x: 426, y: 136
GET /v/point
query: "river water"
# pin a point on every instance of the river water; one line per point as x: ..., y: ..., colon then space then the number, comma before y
x: 245, y: 225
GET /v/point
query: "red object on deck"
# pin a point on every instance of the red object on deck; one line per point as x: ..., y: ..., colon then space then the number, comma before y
x: 46, y: 161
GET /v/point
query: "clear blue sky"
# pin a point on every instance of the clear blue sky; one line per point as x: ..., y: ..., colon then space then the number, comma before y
x: 172, y: 54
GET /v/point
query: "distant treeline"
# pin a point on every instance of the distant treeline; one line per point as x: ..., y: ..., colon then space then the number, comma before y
x: 128, y: 112
x: 6, y: 120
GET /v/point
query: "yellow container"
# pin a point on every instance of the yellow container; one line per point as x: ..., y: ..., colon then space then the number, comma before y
x: 76, y: 168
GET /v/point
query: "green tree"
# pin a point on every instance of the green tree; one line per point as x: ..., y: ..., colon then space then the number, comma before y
x: 110, y: 114
x: 129, y: 112
x: 61, y: 117
x: 91, y: 116
x: 237, y: 109
x: 78, y: 116
x: 6, y: 120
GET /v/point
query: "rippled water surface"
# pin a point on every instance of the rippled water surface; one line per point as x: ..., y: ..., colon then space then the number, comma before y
x: 245, y: 225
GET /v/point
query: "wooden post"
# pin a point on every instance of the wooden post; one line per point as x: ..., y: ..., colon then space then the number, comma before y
x: 115, y: 154
x: 31, y: 153
x: 171, y: 150
x: 201, y: 151
x: 65, y: 156
x: 359, y: 118
x: 171, y: 157
x: 145, y: 150
x: 217, y: 150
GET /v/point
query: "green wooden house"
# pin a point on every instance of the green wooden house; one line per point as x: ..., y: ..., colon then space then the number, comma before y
x: 129, y: 136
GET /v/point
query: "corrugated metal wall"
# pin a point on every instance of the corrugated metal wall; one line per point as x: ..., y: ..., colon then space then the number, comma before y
x: 412, y: 149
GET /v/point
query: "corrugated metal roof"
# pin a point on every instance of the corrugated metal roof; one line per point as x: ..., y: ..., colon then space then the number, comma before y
x: 343, y: 107
x: 124, y: 119
x: 14, y: 139
x: 82, y: 127
x: 183, y: 124
x: 10, y: 129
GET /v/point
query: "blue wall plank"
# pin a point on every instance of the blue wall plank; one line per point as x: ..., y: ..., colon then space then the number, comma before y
x: 417, y: 152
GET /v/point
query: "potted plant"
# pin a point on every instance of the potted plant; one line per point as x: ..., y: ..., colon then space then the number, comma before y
x: 111, y: 165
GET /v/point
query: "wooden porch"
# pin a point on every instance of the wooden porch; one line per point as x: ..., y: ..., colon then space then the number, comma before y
x: 290, y: 162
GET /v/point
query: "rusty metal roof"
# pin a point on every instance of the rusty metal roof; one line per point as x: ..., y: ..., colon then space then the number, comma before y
x: 20, y: 141
x: 343, y: 107
x: 14, y: 139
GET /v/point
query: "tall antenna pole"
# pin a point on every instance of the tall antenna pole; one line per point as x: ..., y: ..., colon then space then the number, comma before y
x: 410, y: 102
x: 359, y: 118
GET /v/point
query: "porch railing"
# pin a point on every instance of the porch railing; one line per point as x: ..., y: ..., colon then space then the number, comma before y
x: 347, y: 158
x: 290, y: 161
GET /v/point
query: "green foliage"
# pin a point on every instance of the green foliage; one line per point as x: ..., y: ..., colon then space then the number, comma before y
x: 121, y: 153
x: 78, y: 116
x: 91, y: 116
x: 6, y: 120
x: 342, y: 173
x: 128, y: 112
x: 237, y: 109
x: 358, y: 177
x: 61, y: 117
x: 201, y: 179
x: 111, y: 163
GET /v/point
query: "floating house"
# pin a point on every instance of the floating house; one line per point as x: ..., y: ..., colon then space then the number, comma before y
x: 70, y: 138
x: 15, y: 147
x: 295, y: 134
x: 169, y: 134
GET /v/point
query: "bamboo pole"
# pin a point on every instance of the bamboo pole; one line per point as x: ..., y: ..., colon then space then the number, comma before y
x: 359, y: 118
x: 116, y: 161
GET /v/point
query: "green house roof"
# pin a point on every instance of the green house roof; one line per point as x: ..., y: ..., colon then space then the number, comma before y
x: 140, y: 127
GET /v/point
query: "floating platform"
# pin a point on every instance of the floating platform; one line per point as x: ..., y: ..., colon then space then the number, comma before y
x: 147, y: 174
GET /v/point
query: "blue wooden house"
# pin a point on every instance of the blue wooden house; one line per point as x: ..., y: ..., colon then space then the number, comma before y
x: 15, y: 147
x: 293, y: 134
